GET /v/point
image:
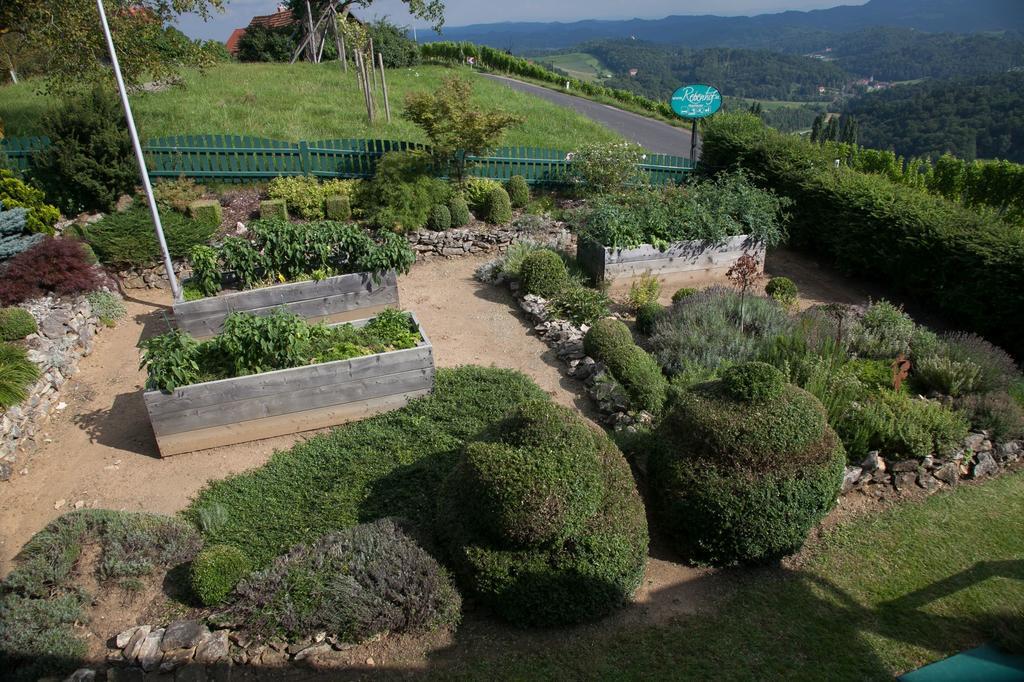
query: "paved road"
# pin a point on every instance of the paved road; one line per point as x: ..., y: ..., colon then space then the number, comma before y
x: 655, y: 136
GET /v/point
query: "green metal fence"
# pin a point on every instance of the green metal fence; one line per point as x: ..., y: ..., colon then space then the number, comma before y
x: 233, y: 158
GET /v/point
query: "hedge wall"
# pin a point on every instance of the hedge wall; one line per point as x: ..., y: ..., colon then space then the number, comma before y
x: 968, y: 266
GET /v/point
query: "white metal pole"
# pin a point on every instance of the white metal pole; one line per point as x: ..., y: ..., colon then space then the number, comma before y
x: 175, y: 289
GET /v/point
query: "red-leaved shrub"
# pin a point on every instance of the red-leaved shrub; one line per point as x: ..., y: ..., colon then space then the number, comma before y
x: 58, y: 266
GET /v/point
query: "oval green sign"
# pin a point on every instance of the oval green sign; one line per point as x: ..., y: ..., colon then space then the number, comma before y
x: 696, y: 101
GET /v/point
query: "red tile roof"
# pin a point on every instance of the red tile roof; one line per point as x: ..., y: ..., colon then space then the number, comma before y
x: 276, y: 20
x: 234, y: 39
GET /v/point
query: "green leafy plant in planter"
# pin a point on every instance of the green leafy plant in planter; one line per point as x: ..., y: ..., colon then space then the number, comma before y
x: 206, y: 275
x: 743, y: 468
x: 542, y: 521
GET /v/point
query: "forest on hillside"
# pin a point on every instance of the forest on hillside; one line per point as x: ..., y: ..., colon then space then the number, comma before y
x: 977, y: 118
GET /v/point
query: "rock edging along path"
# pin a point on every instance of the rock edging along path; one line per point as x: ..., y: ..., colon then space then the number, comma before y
x: 655, y: 136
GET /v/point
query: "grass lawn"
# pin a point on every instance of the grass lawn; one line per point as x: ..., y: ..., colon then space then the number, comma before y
x: 311, y: 102
x: 875, y: 598
x: 585, y: 67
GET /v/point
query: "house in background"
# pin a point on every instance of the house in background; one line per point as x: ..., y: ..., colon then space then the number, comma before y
x: 282, y: 18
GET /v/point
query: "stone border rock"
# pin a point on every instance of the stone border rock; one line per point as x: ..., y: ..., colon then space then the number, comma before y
x: 67, y: 330
x: 486, y: 239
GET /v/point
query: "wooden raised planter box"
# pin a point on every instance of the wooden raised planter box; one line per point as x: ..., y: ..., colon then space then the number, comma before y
x: 681, y: 264
x: 287, y: 401
x: 336, y: 299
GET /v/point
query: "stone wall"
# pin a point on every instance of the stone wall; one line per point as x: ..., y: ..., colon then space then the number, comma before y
x: 485, y: 239
x: 67, y: 330
x: 154, y: 277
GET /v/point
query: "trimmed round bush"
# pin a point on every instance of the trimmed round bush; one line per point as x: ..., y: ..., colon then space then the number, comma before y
x: 216, y: 571
x: 606, y: 335
x: 543, y: 274
x: 680, y: 294
x: 459, y: 210
x: 753, y: 381
x: 782, y: 290
x: 16, y: 323
x: 499, y: 207
x: 647, y: 316
x: 542, y: 519
x: 518, y: 191
x: 440, y: 218
x: 743, y: 481
x: 640, y: 375
x: 353, y: 584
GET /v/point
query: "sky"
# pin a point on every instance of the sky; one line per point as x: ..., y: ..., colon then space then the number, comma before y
x: 462, y: 12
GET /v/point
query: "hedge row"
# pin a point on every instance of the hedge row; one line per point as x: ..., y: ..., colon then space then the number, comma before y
x: 966, y: 265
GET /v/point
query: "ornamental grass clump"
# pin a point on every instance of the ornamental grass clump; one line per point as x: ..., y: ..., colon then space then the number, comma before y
x: 542, y: 521
x: 743, y: 468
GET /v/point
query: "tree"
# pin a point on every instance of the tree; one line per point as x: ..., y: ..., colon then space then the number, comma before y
x: 454, y: 127
x: 68, y: 33
x: 262, y: 44
x: 427, y: 10
x: 818, y: 128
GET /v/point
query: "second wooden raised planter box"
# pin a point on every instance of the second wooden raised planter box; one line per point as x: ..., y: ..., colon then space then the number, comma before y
x: 248, y: 408
x: 680, y: 264
x: 335, y: 299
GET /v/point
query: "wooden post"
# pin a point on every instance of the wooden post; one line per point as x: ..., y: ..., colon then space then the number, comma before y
x: 373, y: 66
x: 311, y: 45
x: 339, y: 42
x: 384, y: 86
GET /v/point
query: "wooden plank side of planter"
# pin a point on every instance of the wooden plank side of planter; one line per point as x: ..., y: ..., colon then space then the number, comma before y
x: 270, y: 427
x: 329, y: 299
x: 685, y: 251
x: 694, y: 259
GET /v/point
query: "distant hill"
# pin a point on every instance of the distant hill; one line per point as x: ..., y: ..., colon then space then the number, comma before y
x: 981, y: 117
x: 786, y: 31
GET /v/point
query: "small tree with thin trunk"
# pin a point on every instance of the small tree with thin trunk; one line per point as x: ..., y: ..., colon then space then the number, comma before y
x: 455, y: 127
x: 743, y: 275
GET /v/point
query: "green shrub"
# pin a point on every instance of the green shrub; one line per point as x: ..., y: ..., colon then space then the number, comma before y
x: 499, y: 207
x: 998, y: 413
x: 542, y: 519
x: 606, y: 336
x: 876, y: 226
x: 683, y: 293
x: 128, y: 239
x: 478, y: 192
x: 518, y: 191
x: 581, y: 305
x: 17, y: 373
x: 459, y: 210
x: 644, y: 290
x: 206, y: 277
x: 703, y: 330
x: 647, y: 317
x: 89, y: 163
x: 391, y: 464
x: 901, y: 427
x: 783, y: 291
x: 607, y: 167
x: 753, y: 382
x: 352, y: 584
x: 738, y: 481
x: 512, y: 261
x: 440, y: 218
x: 215, y: 572
x: 207, y: 212
x: 883, y: 332
x: 873, y: 374
x: 640, y: 375
x: 273, y: 209
x: 38, y: 636
x: 402, y: 192
x: 997, y: 370
x: 943, y: 374
x: 40, y: 217
x: 16, y: 323
x: 177, y: 194
x: 338, y: 207
x: 107, y: 306
x: 543, y: 273
x: 306, y: 196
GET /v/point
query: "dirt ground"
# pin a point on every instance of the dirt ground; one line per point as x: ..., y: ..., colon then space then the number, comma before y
x: 100, y: 451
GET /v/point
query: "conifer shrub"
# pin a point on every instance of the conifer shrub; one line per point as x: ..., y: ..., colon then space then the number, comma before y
x: 403, y: 192
x: 647, y: 317
x: 543, y: 273
x: 14, y: 236
x: 440, y: 218
x: 15, y: 193
x: 743, y: 468
x: 459, y: 210
x: 499, y: 207
x: 605, y: 336
x: 542, y: 521
x: 127, y: 239
x: 783, y: 291
x: 518, y: 191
